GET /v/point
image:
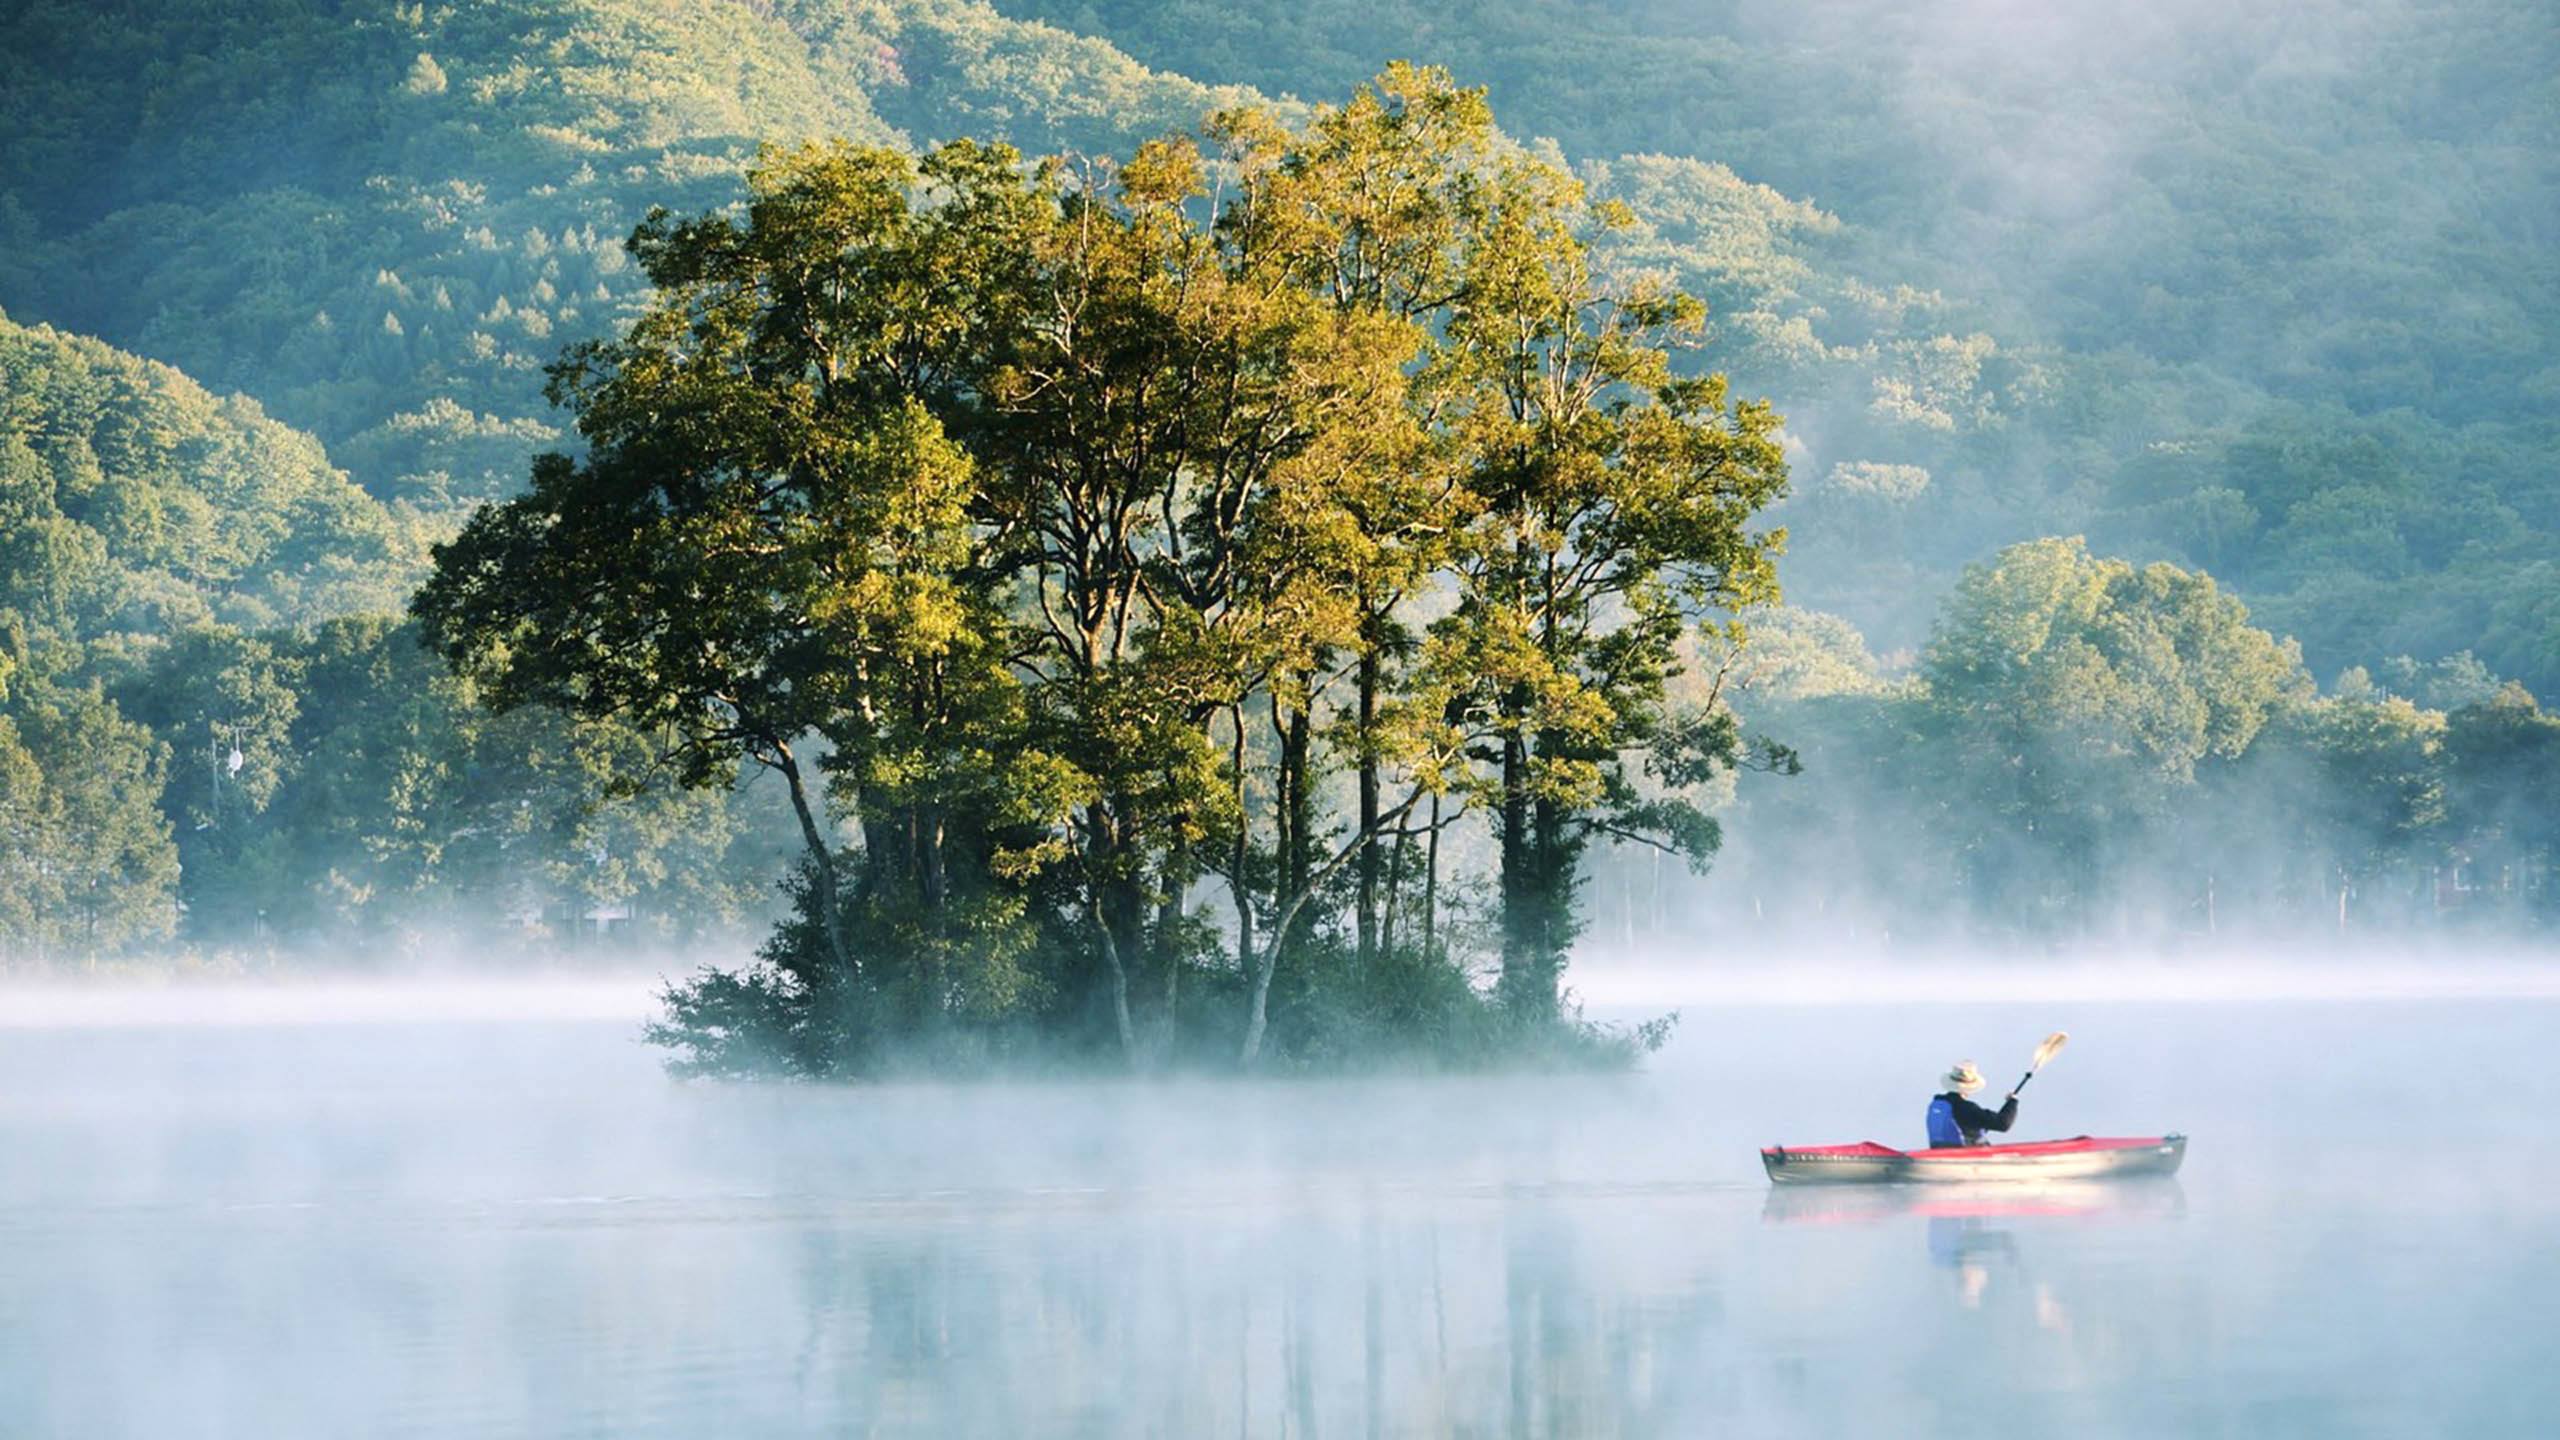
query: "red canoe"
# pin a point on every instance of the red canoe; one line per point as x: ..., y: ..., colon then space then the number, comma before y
x: 2081, y: 1158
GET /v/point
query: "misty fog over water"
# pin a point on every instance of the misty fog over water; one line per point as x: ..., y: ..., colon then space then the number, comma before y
x: 1180, y: 627
x: 410, y: 1216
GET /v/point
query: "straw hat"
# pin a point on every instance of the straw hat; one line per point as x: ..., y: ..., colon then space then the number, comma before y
x: 1963, y: 1079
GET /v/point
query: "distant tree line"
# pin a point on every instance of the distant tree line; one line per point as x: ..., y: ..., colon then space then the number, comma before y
x: 2088, y: 749
x: 330, y: 798
x: 215, y: 740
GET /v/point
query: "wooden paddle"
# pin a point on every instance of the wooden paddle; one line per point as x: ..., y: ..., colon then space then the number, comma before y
x: 2051, y: 1047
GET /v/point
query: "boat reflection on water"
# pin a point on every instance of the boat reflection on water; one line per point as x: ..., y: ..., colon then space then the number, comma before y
x: 1970, y: 1229
x: 2071, y: 1199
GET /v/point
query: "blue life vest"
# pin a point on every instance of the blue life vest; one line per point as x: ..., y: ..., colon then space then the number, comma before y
x: 1944, y: 1134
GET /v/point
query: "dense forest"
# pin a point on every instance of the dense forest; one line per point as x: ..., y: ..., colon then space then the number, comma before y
x: 2087, y: 747
x: 2263, y: 309
x: 215, y: 727
x: 2268, y: 291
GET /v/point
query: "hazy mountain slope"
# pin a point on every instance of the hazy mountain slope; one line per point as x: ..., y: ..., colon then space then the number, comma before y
x: 2277, y: 288
x: 2325, y: 194
x: 132, y: 502
x: 383, y: 220
x: 2223, y: 290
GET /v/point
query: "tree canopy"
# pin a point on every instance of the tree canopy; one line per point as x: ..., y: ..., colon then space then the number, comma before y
x: 1057, y: 502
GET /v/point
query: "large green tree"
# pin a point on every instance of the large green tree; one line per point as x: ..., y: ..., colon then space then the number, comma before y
x: 1073, y: 510
x: 2501, y: 770
x: 88, y: 867
x: 1618, y: 509
x: 2074, y: 698
x: 761, y: 547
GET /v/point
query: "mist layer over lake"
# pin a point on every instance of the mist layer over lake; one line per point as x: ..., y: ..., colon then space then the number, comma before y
x: 448, y: 1226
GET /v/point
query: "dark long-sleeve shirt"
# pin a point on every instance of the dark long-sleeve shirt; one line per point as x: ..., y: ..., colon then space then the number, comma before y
x: 1972, y: 1119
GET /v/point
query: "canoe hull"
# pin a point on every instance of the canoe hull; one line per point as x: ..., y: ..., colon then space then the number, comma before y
x: 2084, y: 1158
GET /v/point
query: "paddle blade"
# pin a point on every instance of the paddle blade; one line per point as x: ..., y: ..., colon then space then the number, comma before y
x: 2051, y: 1047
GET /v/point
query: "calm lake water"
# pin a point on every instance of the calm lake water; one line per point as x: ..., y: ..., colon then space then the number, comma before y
x: 467, y: 1228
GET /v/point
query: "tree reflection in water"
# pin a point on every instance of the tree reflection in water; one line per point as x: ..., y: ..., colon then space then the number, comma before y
x: 1373, y: 1313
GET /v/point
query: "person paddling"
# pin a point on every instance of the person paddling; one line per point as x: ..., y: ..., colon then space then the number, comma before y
x: 1954, y: 1120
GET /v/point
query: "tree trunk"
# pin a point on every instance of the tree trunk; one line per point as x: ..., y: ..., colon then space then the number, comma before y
x: 1243, y: 847
x: 822, y: 866
x: 1119, y: 981
x: 1655, y: 919
x: 1296, y: 752
x: 1551, y: 907
x: 887, y: 846
x: 1366, y: 913
x: 932, y: 884
x: 1101, y: 902
x: 1283, y: 806
x: 1258, y: 1011
x: 1518, y: 882
x: 1431, y: 884
x: 1395, y: 891
x: 933, y: 888
x: 1168, y: 940
x: 1257, y: 1015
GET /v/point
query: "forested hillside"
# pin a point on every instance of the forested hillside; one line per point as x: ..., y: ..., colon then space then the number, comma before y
x: 2274, y: 297
x: 2269, y: 295
x: 383, y: 220
x: 2276, y: 289
x: 134, y: 504
x: 210, y: 726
